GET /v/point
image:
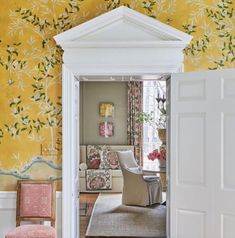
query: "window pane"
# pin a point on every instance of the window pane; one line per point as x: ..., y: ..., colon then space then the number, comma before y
x: 151, y: 90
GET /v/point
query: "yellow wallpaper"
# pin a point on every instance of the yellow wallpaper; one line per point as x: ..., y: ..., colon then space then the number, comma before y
x: 30, y: 68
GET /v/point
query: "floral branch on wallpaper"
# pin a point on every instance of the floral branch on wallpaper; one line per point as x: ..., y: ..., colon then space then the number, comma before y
x: 222, y: 16
x: 49, y: 115
x: 112, y: 4
x: 152, y: 8
x: 198, y: 45
x: 60, y: 23
x: 10, y: 60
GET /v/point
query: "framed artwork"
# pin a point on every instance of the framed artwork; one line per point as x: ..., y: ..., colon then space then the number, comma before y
x: 106, y: 109
x: 106, y: 129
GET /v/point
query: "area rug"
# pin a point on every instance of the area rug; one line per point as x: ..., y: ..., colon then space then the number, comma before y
x: 111, y: 219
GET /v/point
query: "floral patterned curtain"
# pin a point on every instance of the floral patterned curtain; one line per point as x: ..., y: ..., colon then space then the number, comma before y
x: 134, y: 127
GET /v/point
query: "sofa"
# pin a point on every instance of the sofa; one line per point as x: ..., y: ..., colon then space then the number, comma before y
x: 114, y: 174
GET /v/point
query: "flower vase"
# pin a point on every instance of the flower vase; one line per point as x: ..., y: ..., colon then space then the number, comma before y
x: 162, y: 163
x: 162, y: 135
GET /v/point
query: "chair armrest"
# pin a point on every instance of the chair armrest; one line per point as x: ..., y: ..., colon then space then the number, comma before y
x: 135, y: 170
x: 138, y: 176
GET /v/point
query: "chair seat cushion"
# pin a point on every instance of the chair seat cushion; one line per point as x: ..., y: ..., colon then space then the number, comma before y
x: 32, y: 231
x: 151, y: 178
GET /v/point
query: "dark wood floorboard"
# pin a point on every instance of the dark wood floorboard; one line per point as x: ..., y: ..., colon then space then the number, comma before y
x: 86, y: 199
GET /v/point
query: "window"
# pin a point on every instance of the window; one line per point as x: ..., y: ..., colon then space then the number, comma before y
x: 152, y: 90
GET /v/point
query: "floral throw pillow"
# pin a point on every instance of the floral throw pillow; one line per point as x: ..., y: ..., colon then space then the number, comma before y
x: 101, y: 157
x: 98, y: 179
x: 109, y: 160
x: 112, y: 160
x: 93, y: 159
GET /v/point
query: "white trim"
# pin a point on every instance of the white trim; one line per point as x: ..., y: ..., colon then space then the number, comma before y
x: 123, y: 13
x: 98, y: 69
x: 123, y: 44
x: 68, y: 151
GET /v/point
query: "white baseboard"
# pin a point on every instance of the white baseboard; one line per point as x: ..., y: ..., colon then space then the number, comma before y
x: 8, y: 212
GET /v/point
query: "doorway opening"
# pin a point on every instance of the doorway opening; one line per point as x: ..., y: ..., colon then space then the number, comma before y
x: 95, y: 132
x: 139, y: 46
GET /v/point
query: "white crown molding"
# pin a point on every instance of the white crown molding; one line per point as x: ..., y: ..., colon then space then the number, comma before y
x: 123, y: 44
x: 98, y: 69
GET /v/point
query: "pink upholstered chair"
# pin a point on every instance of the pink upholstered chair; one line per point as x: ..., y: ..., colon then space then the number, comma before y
x: 35, y: 202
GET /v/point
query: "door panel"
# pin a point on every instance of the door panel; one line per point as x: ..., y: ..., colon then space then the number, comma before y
x: 202, y: 154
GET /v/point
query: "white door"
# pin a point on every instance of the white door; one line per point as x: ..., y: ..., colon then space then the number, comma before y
x: 202, y: 155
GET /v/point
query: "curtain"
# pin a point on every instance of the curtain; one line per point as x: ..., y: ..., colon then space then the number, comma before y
x: 134, y: 127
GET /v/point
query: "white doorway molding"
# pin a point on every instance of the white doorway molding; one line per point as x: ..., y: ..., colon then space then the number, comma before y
x: 120, y: 42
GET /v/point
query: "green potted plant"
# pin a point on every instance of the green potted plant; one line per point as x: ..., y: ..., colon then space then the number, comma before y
x: 146, y: 117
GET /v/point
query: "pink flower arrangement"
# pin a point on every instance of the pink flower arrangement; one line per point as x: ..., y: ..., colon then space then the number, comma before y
x: 155, y: 154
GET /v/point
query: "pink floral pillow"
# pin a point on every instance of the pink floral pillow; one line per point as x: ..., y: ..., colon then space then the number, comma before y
x: 112, y: 160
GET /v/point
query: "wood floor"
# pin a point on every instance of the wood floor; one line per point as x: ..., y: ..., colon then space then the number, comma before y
x: 87, y: 201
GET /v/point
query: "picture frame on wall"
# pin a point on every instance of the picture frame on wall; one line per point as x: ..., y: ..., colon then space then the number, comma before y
x: 106, y: 129
x: 106, y: 109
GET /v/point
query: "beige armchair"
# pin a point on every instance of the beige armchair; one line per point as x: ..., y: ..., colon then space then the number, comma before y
x: 138, y: 189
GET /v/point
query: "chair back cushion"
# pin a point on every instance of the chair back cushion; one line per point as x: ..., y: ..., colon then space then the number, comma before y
x: 36, y: 200
x: 126, y: 159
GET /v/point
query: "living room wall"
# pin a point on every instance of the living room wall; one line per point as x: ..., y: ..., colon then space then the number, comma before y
x: 91, y: 95
x: 30, y: 69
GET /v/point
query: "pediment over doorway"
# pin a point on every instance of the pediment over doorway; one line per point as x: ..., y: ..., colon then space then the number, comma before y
x: 123, y: 27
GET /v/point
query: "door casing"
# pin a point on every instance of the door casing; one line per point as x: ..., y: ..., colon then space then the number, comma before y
x: 99, y: 47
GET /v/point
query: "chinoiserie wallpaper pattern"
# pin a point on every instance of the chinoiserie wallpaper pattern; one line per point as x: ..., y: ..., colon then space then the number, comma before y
x: 30, y: 68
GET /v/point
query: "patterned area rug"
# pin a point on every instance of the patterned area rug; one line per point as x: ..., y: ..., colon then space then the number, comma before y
x: 111, y: 219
